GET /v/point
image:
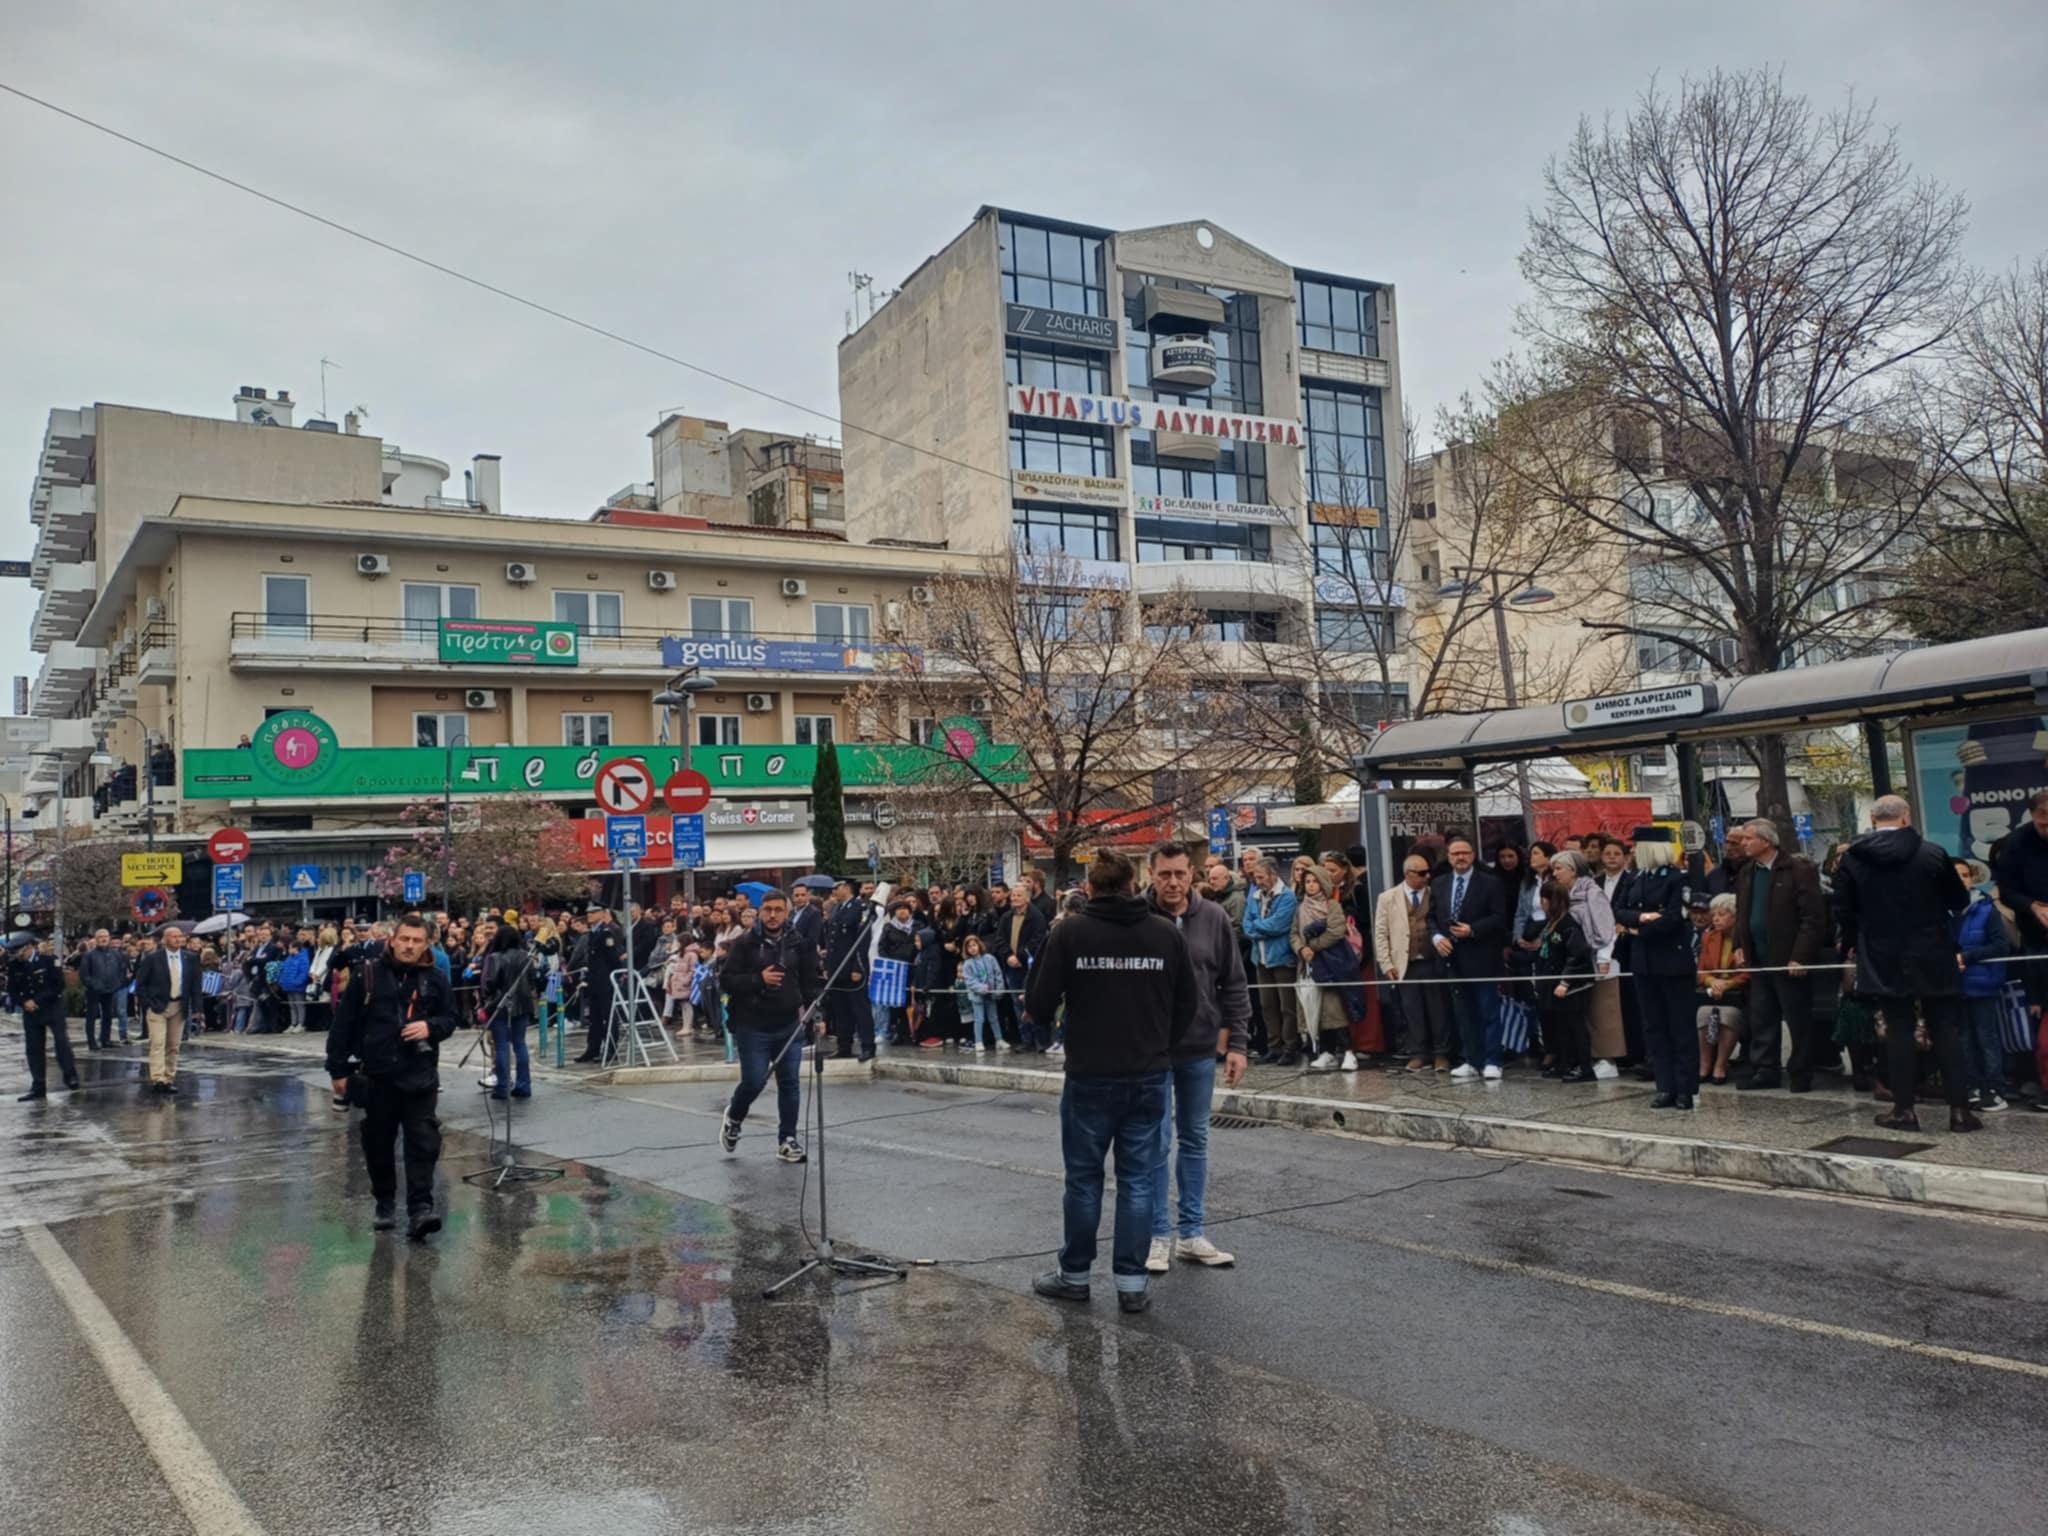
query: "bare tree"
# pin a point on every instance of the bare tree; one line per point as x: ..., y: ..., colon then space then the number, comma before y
x: 1984, y: 567
x: 1104, y: 720
x: 1732, y: 292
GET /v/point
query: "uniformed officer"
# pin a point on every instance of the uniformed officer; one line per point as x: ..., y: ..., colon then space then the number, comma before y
x: 40, y: 987
x: 1651, y: 903
x: 605, y: 971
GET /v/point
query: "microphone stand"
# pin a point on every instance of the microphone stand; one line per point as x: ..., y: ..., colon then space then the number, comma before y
x: 507, y: 1169
x: 824, y: 1256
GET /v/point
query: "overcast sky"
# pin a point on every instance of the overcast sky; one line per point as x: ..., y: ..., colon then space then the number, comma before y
x: 703, y: 179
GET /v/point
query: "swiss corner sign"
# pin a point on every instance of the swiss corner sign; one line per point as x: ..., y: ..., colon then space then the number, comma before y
x: 1114, y: 411
x: 297, y: 755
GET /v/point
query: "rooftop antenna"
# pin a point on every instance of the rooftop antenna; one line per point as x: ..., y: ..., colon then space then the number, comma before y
x: 863, y: 309
x: 325, y: 364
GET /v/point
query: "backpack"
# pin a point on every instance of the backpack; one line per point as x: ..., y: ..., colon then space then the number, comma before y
x: 295, y: 971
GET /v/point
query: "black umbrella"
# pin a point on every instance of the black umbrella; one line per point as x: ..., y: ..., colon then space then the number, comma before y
x: 816, y: 882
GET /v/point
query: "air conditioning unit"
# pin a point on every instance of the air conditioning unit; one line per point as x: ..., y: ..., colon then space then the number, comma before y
x: 661, y: 581
x: 153, y: 609
x: 520, y: 574
x: 373, y: 565
x: 760, y: 703
x: 920, y: 594
x: 480, y: 698
x: 794, y: 586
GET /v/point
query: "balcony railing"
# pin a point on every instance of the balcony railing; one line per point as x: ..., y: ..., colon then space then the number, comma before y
x: 333, y: 637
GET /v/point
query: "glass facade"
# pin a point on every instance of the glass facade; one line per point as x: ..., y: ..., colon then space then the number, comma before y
x: 1365, y: 704
x: 1063, y: 450
x: 1051, y: 268
x: 1077, y: 369
x: 1224, y: 624
x: 1192, y: 538
x: 1356, y: 555
x: 1238, y: 472
x: 1346, y: 452
x: 1351, y: 629
x: 1337, y: 316
x: 1076, y: 531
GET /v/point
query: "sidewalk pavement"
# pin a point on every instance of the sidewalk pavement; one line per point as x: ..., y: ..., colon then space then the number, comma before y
x: 1770, y: 1137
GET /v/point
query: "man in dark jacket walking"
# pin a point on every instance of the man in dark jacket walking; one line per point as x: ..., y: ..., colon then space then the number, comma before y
x: 39, y: 984
x: 103, y: 972
x: 1123, y: 973
x: 1896, y: 896
x: 772, y: 975
x: 1221, y: 1033
x: 384, y: 1053
x: 1780, y: 925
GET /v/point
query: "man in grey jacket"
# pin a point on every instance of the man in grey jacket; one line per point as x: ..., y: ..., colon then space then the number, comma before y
x: 103, y: 972
x: 1222, y: 1017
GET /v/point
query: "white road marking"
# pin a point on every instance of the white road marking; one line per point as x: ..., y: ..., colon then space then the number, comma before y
x: 209, y: 1499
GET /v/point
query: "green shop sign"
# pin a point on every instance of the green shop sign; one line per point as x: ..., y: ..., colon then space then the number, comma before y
x: 508, y: 642
x: 296, y: 755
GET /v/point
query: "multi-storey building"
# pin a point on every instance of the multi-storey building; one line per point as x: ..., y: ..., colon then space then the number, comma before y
x: 201, y: 578
x: 1172, y: 408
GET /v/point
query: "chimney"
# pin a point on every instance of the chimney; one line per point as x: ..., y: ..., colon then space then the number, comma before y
x: 281, y: 407
x: 257, y: 408
x: 352, y: 424
x: 483, y: 470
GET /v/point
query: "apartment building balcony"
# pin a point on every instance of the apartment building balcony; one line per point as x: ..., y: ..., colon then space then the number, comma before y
x: 156, y: 664
x: 64, y: 518
x: 68, y: 671
x: 1345, y: 368
x: 68, y: 593
x: 1256, y: 584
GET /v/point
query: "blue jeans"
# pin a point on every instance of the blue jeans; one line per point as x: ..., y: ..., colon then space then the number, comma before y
x: 508, y: 1037
x: 1477, y: 1005
x: 757, y: 1052
x: 1096, y: 1115
x: 1984, y: 1044
x: 1194, y: 1086
x: 985, y: 1018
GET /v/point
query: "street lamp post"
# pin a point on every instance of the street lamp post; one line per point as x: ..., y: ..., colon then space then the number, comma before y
x: 1530, y: 596
x: 677, y: 695
x: 448, y: 820
x: 102, y: 758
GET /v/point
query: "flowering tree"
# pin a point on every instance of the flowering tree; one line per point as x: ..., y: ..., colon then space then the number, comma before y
x: 503, y: 853
x: 88, y: 875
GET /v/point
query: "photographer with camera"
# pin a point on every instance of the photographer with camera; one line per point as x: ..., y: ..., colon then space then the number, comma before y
x: 383, y: 1053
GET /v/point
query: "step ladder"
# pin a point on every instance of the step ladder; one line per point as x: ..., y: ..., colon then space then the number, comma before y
x: 636, y: 1037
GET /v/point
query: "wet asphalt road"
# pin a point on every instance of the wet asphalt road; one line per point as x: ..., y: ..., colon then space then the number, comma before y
x: 1460, y: 1345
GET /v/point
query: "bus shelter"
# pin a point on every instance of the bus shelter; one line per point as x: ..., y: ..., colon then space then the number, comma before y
x: 1973, y: 717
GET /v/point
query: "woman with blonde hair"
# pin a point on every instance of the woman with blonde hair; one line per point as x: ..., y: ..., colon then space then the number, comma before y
x: 1607, y: 1040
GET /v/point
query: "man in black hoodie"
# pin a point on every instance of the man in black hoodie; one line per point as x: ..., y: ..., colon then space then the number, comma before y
x: 771, y: 973
x: 1896, y: 896
x: 384, y: 1053
x: 1123, y: 973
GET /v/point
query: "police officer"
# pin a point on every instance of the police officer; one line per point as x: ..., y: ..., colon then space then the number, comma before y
x: 1650, y: 902
x: 605, y: 968
x: 384, y: 1053
x: 846, y: 948
x: 40, y: 986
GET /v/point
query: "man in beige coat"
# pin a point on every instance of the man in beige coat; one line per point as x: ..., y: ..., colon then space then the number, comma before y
x: 1401, y: 945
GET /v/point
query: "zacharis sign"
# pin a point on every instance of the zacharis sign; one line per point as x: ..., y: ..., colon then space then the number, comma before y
x: 297, y: 755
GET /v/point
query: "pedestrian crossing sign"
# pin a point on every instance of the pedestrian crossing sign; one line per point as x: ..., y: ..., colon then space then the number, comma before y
x: 305, y: 879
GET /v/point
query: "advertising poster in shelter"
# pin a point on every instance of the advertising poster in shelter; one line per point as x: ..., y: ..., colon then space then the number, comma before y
x: 1972, y: 781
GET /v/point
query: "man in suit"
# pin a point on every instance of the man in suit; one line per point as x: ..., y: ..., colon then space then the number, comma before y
x: 1471, y: 913
x: 806, y: 918
x: 1019, y: 936
x: 166, y: 988
x: 1780, y: 925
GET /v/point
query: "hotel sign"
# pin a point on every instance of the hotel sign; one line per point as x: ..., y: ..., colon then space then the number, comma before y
x: 1113, y: 411
x: 1077, y: 490
x: 1099, y: 331
x: 1225, y: 511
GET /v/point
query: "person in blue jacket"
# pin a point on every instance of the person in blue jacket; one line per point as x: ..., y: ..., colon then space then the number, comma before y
x: 1982, y: 939
x: 1269, y: 924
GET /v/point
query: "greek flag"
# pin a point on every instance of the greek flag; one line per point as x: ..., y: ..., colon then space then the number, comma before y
x: 1514, y: 1025
x: 209, y: 984
x: 889, y: 983
x: 2019, y: 1023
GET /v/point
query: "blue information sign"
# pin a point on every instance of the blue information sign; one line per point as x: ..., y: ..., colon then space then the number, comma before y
x: 1219, y: 830
x: 1719, y: 831
x: 686, y: 838
x: 415, y: 886
x: 227, y: 887
x: 1802, y: 827
x: 625, y: 837
x: 305, y: 879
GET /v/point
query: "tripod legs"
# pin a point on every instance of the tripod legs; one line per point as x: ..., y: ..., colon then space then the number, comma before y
x: 826, y: 1259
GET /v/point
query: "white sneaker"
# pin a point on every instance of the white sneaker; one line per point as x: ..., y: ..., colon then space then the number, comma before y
x: 1323, y: 1063
x: 1350, y: 1062
x: 1004, y: 1045
x: 979, y: 1048
x: 1199, y: 1250
x: 1160, y: 1259
x: 1493, y: 1074
x: 1464, y: 1072
x: 488, y: 1080
x: 1606, y: 1071
x: 1055, y: 1050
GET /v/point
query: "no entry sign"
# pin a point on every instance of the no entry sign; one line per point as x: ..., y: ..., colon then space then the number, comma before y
x: 624, y: 786
x: 230, y: 845
x: 687, y: 792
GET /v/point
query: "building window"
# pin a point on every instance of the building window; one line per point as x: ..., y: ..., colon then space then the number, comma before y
x: 821, y: 505
x: 593, y: 613
x: 1075, y: 531
x: 286, y: 605
x: 722, y: 618
x: 1351, y: 629
x: 437, y: 730
x: 1355, y: 554
x: 1060, y: 450
x: 1075, y: 369
x: 582, y: 729
x: 1168, y: 539
x: 1222, y: 624
x: 1052, y: 269
x: 1365, y: 704
x: 1338, y: 317
x: 843, y: 623
x: 813, y: 730
x: 1663, y: 653
x: 718, y: 730
x: 1063, y: 616
x: 427, y: 603
x: 924, y: 730
x: 1346, y: 448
